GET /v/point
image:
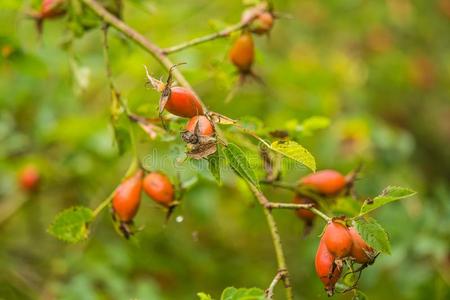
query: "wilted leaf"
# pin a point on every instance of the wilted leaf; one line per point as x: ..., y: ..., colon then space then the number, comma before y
x: 71, y: 225
x: 296, y: 152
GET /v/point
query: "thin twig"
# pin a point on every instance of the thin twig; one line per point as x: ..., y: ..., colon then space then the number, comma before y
x: 210, y: 37
x: 138, y: 38
x: 279, y: 276
x: 281, y: 261
x: 274, y: 205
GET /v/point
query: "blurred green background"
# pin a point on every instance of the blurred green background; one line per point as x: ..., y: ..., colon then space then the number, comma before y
x: 379, y: 70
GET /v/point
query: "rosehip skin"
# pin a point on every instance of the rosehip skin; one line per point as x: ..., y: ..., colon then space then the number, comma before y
x: 328, y: 182
x: 183, y: 103
x: 242, y: 53
x: 303, y: 213
x: 263, y: 23
x: 338, y: 240
x: 159, y: 188
x: 324, y: 268
x: 128, y: 197
x: 361, y: 252
x: 205, y: 127
x: 52, y: 8
x: 29, y: 178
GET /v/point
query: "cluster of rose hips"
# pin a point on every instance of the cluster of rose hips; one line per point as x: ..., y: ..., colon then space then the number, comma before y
x: 260, y: 19
x: 199, y: 133
x: 339, y: 243
x: 127, y: 197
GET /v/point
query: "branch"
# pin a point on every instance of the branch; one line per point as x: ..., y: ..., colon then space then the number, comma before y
x: 272, y: 205
x: 275, y: 239
x: 200, y: 40
x: 279, y: 276
x: 138, y: 38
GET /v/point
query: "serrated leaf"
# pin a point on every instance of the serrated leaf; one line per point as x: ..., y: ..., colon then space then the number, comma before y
x: 232, y: 293
x: 239, y: 163
x: 296, y: 152
x: 389, y: 194
x: 374, y: 234
x: 214, y: 165
x: 71, y: 225
x: 203, y: 296
x: 228, y: 293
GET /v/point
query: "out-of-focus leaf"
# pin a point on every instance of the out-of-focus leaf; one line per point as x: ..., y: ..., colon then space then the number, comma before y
x: 71, y: 225
x: 203, y: 296
x: 389, y: 194
x: 296, y: 152
x: 373, y: 234
x: 314, y: 123
x: 232, y: 293
x: 360, y: 296
x: 239, y: 163
x: 214, y: 165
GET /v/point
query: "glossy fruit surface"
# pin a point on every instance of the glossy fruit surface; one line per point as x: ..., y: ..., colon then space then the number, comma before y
x: 328, y: 182
x: 303, y: 213
x: 201, y: 124
x: 159, y: 188
x: 326, y: 270
x: 263, y: 23
x: 338, y: 239
x: 127, y: 197
x: 361, y: 252
x: 243, y: 52
x: 183, y: 103
x: 29, y: 178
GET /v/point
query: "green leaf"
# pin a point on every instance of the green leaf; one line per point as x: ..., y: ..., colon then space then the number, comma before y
x: 296, y: 152
x: 239, y: 163
x: 71, y: 225
x: 232, y: 293
x: 203, y: 296
x: 228, y: 293
x: 389, y: 194
x: 360, y: 296
x: 373, y: 234
x: 121, y: 138
x: 214, y: 165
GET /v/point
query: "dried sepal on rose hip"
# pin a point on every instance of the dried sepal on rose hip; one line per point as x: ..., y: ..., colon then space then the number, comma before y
x: 177, y: 100
x: 199, y: 135
x: 326, y: 268
x: 126, y: 201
